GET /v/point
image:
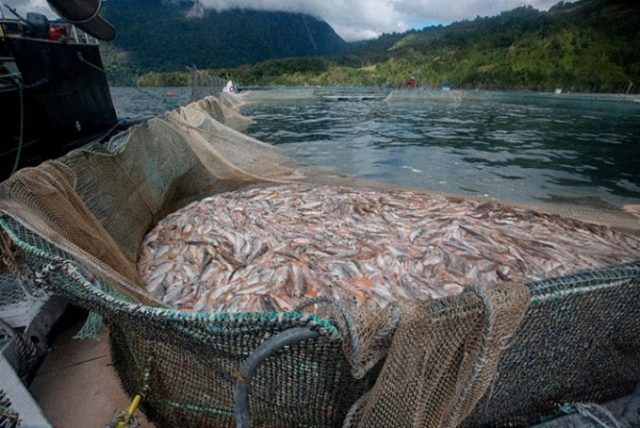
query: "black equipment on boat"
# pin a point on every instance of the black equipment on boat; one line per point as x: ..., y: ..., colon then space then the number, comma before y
x: 85, y: 14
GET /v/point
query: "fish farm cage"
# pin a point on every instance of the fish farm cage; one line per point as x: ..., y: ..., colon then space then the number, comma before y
x: 495, y: 356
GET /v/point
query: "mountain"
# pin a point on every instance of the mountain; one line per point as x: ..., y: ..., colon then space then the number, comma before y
x: 587, y: 45
x: 169, y: 35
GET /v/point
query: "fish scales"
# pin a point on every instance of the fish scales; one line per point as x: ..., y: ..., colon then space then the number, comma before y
x: 269, y: 249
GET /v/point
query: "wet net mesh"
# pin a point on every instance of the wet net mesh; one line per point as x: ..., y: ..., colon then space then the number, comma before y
x: 74, y: 226
x: 205, y: 84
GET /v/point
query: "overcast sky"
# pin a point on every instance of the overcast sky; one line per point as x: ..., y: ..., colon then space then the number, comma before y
x: 363, y: 19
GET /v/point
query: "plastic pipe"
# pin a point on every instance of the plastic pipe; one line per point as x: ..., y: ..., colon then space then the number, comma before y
x: 257, y: 357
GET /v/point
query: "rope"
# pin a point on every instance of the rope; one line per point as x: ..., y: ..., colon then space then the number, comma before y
x: 90, y: 64
x: 9, y: 418
x: 71, y: 268
x: 127, y: 418
x: 124, y: 421
x: 23, y: 276
x: 26, y: 351
x: 390, y: 328
x: 483, y: 358
x: 146, y: 378
x: 356, y: 344
x: 161, y: 99
x: 346, y: 315
x: 351, y: 419
x: 256, y: 358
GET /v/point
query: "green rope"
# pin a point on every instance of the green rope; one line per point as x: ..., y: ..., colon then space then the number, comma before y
x: 94, y: 323
x: 196, y: 407
x: 91, y: 328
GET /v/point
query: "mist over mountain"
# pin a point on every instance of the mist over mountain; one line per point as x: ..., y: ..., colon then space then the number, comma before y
x: 170, y: 35
x: 587, y: 46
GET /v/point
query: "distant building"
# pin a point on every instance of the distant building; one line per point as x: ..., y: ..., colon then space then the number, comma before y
x: 412, y: 83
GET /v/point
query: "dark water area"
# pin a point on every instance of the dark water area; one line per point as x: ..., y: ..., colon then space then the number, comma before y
x: 536, y: 148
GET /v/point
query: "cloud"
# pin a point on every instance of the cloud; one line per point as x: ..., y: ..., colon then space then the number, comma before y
x: 363, y: 19
x: 22, y: 6
x: 352, y: 19
x: 442, y: 10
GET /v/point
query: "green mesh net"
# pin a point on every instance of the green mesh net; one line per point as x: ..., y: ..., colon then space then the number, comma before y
x: 502, y: 355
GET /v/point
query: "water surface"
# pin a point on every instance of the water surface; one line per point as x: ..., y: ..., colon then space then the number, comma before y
x: 524, y: 147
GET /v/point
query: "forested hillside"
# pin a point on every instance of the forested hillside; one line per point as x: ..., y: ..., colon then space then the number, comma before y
x: 162, y: 35
x: 589, y: 45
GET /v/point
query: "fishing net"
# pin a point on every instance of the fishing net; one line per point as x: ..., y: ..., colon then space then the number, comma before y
x: 74, y: 226
x: 205, y: 84
x: 599, y: 102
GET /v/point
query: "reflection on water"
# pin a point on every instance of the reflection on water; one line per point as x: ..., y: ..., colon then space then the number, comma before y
x: 142, y: 103
x: 571, y: 150
x: 579, y: 151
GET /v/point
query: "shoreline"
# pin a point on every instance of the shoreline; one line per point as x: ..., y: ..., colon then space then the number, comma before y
x: 632, y: 95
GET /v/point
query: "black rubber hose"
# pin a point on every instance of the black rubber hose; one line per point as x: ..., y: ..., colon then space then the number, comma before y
x: 257, y: 357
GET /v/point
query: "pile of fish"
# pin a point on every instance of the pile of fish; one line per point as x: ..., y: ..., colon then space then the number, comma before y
x: 271, y: 248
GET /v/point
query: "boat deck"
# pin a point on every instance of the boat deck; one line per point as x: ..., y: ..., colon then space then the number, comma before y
x: 76, y: 385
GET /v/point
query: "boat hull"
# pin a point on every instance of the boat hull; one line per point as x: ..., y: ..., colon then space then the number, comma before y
x: 65, y: 101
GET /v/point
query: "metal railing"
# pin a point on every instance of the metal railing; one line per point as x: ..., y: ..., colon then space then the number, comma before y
x: 76, y: 35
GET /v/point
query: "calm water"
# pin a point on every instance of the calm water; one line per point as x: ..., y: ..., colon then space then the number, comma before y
x: 137, y: 103
x: 581, y: 151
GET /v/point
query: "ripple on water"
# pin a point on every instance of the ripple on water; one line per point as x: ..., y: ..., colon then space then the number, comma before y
x: 576, y: 145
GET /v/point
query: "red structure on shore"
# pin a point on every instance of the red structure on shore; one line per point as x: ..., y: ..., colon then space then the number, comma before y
x: 411, y: 83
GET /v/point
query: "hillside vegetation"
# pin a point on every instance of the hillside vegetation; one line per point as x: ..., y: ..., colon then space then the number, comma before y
x: 589, y: 45
x: 159, y: 35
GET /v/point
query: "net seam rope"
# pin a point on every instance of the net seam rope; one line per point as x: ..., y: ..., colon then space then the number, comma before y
x: 481, y: 360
